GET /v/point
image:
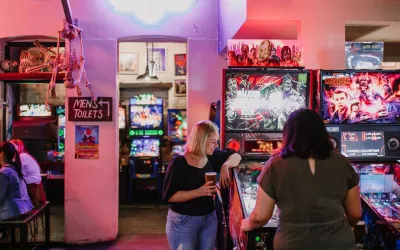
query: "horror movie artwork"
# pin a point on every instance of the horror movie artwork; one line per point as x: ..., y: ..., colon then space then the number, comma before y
x: 264, y: 53
x: 263, y: 100
x: 360, y: 97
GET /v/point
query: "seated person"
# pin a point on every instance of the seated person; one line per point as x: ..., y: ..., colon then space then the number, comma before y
x: 14, y: 199
x: 31, y: 172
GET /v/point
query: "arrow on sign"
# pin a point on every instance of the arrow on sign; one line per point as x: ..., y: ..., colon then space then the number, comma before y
x: 108, y: 106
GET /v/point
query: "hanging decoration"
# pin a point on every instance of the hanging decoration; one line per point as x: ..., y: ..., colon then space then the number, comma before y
x: 69, y: 62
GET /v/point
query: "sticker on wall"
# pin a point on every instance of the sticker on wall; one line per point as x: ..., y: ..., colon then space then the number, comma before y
x: 364, y: 55
x: 86, y: 142
x: 265, y: 53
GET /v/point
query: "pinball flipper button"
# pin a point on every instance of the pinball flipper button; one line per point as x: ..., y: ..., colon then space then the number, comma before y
x: 393, y: 143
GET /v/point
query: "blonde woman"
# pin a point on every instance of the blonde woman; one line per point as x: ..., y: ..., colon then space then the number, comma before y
x: 192, y: 222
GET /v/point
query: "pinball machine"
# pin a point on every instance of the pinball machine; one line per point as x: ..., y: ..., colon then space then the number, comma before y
x: 256, y: 104
x: 361, y: 110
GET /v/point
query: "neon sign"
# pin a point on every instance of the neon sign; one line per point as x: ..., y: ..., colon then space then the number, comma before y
x: 152, y: 11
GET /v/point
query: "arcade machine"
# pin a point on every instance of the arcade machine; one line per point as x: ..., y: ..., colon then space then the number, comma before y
x: 361, y: 110
x: 177, y: 130
x: 145, y: 132
x: 215, y: 113
x: 256, y: 105
x: 124, y: 153
x: 60, y: 113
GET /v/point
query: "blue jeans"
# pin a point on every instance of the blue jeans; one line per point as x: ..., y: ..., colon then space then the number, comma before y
x: 186, y: 232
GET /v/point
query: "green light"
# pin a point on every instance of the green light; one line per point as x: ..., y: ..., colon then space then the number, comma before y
x: 160, y: 132
x: 131, y: 132
x: 61, y: 145
x: 257, y: 238
x: 60, y: 132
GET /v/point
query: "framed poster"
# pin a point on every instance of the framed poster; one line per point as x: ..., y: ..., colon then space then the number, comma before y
x: 180, y: 64
x: 180, y: 87
x: 128, y: 63
x: 87, y: 142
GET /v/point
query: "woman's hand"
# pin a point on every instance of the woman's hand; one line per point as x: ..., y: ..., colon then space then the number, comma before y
x: 224, y: 177
x: 245, y: 225
x: 207, y: 189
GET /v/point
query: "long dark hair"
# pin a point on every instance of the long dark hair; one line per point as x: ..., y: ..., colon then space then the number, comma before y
x: 11, y: 156
x: 305, y: 135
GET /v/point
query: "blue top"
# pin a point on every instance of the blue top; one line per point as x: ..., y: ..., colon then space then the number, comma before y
x: 14, y: 198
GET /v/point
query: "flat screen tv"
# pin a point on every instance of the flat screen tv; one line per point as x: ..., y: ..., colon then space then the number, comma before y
x: 360, y: 97
x: 146, y: 116
x: 33, y: 110
x: 177, y: 124
x: 262, y: 100
x: 145, y: 148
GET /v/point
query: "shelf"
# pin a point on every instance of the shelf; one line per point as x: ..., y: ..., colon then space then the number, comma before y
x: 145, y: 85
x: 29, y: 77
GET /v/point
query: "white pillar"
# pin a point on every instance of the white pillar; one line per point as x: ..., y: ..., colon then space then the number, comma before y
x: 91, y: 186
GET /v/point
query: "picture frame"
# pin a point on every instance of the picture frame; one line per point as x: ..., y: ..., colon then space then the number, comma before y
x: 180, y: 87
x: 180, y: 64
x: 159, y: 56
x: 128, y: 63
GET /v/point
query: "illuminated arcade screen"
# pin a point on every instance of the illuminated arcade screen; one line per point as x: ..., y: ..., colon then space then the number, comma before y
x: 145, y: 147
x: 263, y: 100
x: 177, y: 124
x: 363, y: 143
x: 146, y: 115
x: 375, y: 178
x: 38, y: 110
x: 360, y: 97
x: 60, y: 112
x: 121, y: 117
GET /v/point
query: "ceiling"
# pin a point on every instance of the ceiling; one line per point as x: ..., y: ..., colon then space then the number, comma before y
x: 373, y: 31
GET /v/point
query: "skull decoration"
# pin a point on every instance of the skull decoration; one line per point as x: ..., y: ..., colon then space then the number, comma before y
x: 8, y: 65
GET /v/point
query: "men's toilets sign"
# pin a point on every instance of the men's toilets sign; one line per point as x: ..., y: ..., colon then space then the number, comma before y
x: 84, y: 109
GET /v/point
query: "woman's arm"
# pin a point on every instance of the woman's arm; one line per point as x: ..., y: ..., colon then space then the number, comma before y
x: 352, y: 206
x: 3, y: 187
x: 232, y: 161
x: 262, y: 212
x: 206, y: 190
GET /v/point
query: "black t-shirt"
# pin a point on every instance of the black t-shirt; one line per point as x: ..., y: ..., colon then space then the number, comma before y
x: 181, y: 176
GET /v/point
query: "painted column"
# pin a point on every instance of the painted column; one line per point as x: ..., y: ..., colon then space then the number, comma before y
x: 91, y: 186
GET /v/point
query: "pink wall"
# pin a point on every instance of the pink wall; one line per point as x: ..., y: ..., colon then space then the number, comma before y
x: 232, y: 15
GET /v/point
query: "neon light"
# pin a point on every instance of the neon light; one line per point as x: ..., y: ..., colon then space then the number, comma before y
x: 152, y: 11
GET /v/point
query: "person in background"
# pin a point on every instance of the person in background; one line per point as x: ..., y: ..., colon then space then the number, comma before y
x: 192, y: 221
x: 31, y: 173
x: 315, y: 188
x: 14, y: 199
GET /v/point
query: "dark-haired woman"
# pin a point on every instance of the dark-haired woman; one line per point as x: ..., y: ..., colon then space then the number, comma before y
x: 315, y: 188
x: 14, y: 198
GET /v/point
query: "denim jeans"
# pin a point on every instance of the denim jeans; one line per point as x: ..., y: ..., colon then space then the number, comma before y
x: 186, y: 232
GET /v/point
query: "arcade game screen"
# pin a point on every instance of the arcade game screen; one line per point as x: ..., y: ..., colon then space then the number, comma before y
x: 177, y: 125
x: 145, y: 147
x: 363, y: 143
x: 121, y: 117
x: 261, y: 146
x: 146, y: 116
x: 360, y: 97
x: 38, y: 110
x: 60, y: 112
x: 375, y: 178
x: 263, y: 100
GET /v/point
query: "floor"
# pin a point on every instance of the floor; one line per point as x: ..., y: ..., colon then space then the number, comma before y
x: 141, y: 226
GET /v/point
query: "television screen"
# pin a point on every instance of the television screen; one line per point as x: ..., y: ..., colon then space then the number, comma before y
x: 145, y: 147
x: 60, y: 113
x: 363, y: 143
x: 263, y: 100
x: 146, y: 116
x: 177, y: 124
x: 38, y: 110
x: 360, y: 97
x: 375, y: 178
x: 121, y: 118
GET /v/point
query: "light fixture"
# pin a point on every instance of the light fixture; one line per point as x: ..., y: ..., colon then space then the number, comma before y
x: 146, y: 76
x: 151, y: 11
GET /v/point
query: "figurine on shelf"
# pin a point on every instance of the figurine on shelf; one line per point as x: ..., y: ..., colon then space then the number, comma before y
x: 9, y: 66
